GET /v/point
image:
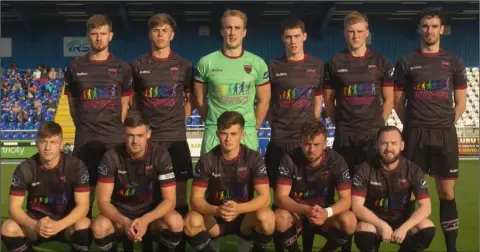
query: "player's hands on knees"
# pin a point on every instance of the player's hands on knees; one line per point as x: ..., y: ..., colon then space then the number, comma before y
x: 399, y: 235
x: 228, y: 210
x: 139, y: 227
x: 386, y: 232
x: 128, y: 229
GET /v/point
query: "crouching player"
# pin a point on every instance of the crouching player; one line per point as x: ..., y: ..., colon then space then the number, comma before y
x: 307, y: 179
x: 58, y: 192
x: 381, y: 198
x: 222, y: 197
x: 129, y: 175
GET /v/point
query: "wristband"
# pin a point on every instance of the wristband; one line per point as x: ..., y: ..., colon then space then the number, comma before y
x: 329, y: 212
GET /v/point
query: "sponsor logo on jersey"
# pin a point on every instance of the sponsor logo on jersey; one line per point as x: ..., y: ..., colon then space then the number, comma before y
x: 82, y: 74
x: 375, y: 183
x: 280, y: 74
x: 342, y: 70
x: 144, y: 72
x: 415, y: 67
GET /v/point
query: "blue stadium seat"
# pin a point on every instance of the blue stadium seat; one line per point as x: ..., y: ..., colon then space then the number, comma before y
x: 8, y: 135
x: 20, y: 125
x: 37, y: 125
x: 33, y: 136
x: 16, y: 136
x: 331, y: 133
x: 25, y: 136
x: 12, y: 126
x: 28, y: 126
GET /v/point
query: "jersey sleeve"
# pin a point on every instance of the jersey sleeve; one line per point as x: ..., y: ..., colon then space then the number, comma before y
x: 342, y: 175
x: 400, y: 76
x: 201, y: 71
x: 328, y: 76
x: 419, y: 182
x: 259, y: 170
x: 263, y: 76
x: 81, y: 177
x: 360, y: 181
x: 166, y: 176
x: 21, y: 178
x: 285, y: 170
x: 188, y: 82
x: 106, y: 168
x: 68, y: 80
x: 321, y: 79
x: 201, y: 174
x: 127, y: 82
x: 388, y: 72
x: 459, y: 75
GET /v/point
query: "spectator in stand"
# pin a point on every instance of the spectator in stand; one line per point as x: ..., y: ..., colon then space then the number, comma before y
x: 17, y: 84
x: 38, y: 114
x: 31, y: 91
x: 49, y: 86
x: 44, y: 75
x: 22, y: 115
x: 52, y: 105
x: 37, y: 73
x: 4, y: 92
x: 5, y: 83
x: 21, y: 93
x: 16, y: 108
x: 9, y: 73
x: 12, y: 116
x: 6, y: 106
x: 60, y: 73
x: 28, y: 74
x: 52, y: 75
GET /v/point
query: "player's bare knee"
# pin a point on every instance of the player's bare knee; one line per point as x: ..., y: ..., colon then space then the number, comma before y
x: 193, y: 224
x: 102, y: 226
x: 348, y: 222
x: 266, y: 219
x: 174, y: 221
x: 283, y: 220
x: 83, y: 223
x: 445, y: 189
x: 365, y: 227
x: 11, y: 229
x: 425, y: 224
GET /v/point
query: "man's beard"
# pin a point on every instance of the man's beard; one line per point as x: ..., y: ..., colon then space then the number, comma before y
x: 430, y: 43
x: 389, y: 161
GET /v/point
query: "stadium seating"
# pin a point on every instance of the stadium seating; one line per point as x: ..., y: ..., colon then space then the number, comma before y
x: 44, y: 101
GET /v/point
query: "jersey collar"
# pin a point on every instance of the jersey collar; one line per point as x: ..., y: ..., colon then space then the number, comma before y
x: 229, y: 57
x: 60, y: 161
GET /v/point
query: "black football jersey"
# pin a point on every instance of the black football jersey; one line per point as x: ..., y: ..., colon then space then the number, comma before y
x: 387, y: 193
x: 314, y: 185
x: 160, y: 86
x: 230, y: 179
x: 50, y: 192
x: 428, y: 81
x: 135, y: 179
x: 294, y: 85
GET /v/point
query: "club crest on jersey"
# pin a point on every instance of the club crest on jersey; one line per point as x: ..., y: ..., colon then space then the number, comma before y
x: 174, y: 71
x: 148, y: 169
x: 324, y: 174
x: 446, y: 65
x: 247, y: 68
x: 112, y: 72
x: 311, y: 73
x: 403, y: 183
x: 242, y: 172
x: 372, y: 69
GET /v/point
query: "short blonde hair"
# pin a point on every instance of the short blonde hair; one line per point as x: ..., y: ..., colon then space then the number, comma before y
x: 354, y: 18
x: 234, y: 13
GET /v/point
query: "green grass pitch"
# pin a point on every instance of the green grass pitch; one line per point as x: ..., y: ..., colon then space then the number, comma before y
x: 467, y: 203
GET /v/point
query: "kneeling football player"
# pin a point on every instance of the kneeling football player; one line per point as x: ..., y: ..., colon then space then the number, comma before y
x: 58, y: 192
x: 222, y: 198
x: 306, y: 184
x: 381, y: 198
x: 129, y: 176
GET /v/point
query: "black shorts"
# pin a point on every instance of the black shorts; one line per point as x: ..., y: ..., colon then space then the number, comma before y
x: 231, y: 228
x: 91, y: 153
x: 313, y: 229
x: 355, y: 147
x: 181, y: 158
x: 434, y: 150
x: 275, y: 151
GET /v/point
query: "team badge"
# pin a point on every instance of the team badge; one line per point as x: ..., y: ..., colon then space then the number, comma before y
x: 372, y: 69
x: 403, y: 183
x: 15, y: 181
x: 247, y: 68
x: 242, y: 172
x: 174, y: 71
x: 324, y: 174
x: 62, y: 180
x: 446, y: 65
x: 112, y: 72
x: 311, y: 73
x: 148, y: 169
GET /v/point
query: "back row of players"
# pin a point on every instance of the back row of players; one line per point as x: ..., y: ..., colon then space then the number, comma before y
x: 360, y: 89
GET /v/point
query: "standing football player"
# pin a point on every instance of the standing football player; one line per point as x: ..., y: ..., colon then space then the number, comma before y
x: 426, y: 78
x: 223, y: 196
x: 57, y: 187
x: 233, y: 80
x: 358, y: 94
x: 162, y: 81
x: 307, y: 179
x: 130, y: 174
x: 98, y: 86
x: 297, y: 89
x: 381, y: 199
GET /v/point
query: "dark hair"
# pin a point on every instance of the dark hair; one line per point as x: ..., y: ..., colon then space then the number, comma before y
x: 292, y: 23
x: 430, y: 13
x: 388, y: 129
x: 136, y: 119
x: 49, y: 129
x: 98, y: 20
x: 160, y: 19
x: 229, y: 118
x: 313, y: 127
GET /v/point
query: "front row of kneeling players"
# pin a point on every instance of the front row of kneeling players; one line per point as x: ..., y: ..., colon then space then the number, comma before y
x: 136, y: 194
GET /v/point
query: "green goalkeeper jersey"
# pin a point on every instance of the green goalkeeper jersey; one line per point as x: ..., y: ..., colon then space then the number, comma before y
x: 231, y: 84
